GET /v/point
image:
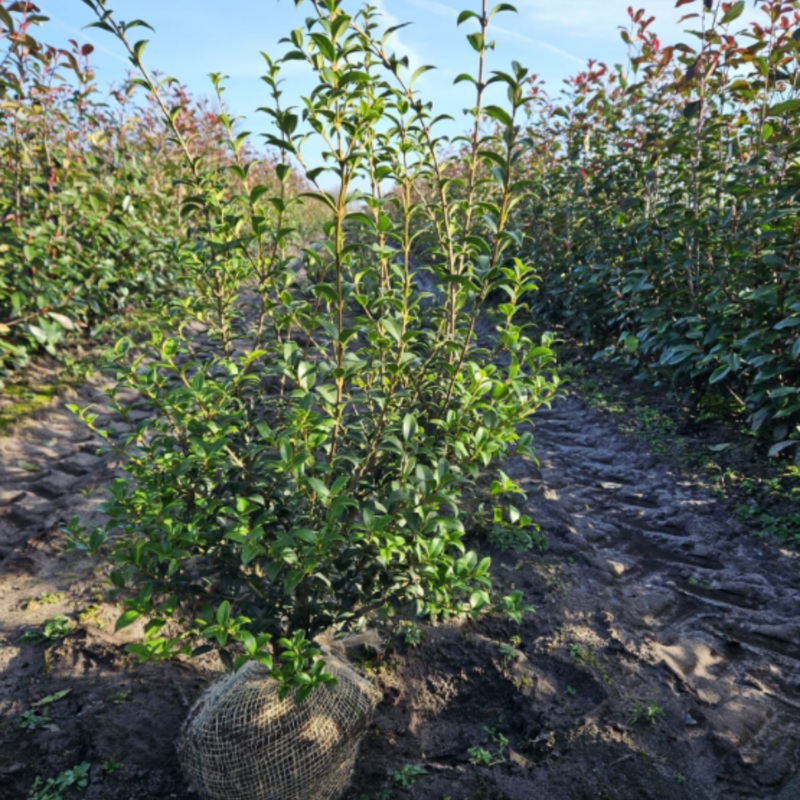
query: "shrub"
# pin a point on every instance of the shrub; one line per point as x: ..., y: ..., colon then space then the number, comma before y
x: 91, y: 228
x: 306, y: 456
x: 665, y: 213
x: 88, y: 220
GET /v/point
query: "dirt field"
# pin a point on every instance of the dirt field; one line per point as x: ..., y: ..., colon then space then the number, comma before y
x: 663, y: 660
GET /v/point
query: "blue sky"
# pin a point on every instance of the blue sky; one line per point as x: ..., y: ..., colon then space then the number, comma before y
x: 554, y: 38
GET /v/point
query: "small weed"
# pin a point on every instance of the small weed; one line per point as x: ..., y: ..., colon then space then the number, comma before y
x: 367, y: 661
x: 496, y: 737
x: 786, y: 527
x: 412, y: 635
x: 53, y: 788
x: 122, y: 696
x: 52, y: 630
x: 699, y: 584
x: 508, y: 651
x: 570, y: 691
x: 481, y: 757
x: 111, y: 766
x: 577, y: 652
x: 78, y: 369
x: 90, y: 616
x: 680, y: 778
x: 584, y: 654
x: 50, y: 598
x: 509, y: 537
x: 32, y: 721
x: 650, y: 713
x: 656, y: 430
x: 407, y: 775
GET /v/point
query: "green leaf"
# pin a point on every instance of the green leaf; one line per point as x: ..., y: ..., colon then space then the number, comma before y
x: 138, y: 49
x: 734, y: 12
x: 327, y: 392
x: 324, y: 45
x: 465, y: 15
x: 719, y: 373
x: 128, y: 618
x: 139, y: 23
x: 632, y: 344
x: 417, y: 73
x: 359, y: 216
x: 102, y: 25
x: 692, y: 109
x: 169, y: 349
x: 780, y: 446
x: 394, y: 327
x: 293, y: 580
x: 51, y: 698
x: 318, y: 487
x: 502, y: 7
x: 256, y: 193
x: 789, y: 322
x: 784, y: 107
x: 410, y: 427
x: 339, y: 25
x: 477, y: 42
x: 783, y: 391
x: 499, y: 114
x: 389, y: 31
x: 326, y: 292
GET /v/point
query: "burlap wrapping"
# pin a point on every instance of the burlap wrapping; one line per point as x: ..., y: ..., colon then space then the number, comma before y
x: 240, y: 742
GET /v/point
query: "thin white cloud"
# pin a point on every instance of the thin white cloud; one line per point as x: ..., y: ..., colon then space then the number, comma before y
x: 432, y: 7
x: 537, y: 43
x: 442, y: 10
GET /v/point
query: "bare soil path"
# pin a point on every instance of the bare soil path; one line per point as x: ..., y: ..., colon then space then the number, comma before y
x: 663, y: 660
x: 652, y: 596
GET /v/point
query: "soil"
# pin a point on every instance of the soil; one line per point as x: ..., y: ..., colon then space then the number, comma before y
x: 663, y: 660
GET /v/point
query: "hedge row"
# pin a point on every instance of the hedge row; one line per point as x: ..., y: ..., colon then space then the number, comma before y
x: 665, y: 213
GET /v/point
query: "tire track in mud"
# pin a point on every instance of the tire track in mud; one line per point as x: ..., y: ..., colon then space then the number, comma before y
x: 50, y: 470
x: 683, y: 589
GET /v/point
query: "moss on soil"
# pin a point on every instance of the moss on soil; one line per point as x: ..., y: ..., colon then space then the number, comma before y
x: 18, y: 401
x: 24, y: 395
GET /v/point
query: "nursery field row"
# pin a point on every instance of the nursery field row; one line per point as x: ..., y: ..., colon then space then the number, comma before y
x: 666, y: 219
x: 341, y: 418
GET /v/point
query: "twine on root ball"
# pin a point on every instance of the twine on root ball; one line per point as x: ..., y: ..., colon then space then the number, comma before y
x: 240, y: 742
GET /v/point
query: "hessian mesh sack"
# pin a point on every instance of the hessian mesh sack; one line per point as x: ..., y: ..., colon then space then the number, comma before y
x: 240, y: 742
